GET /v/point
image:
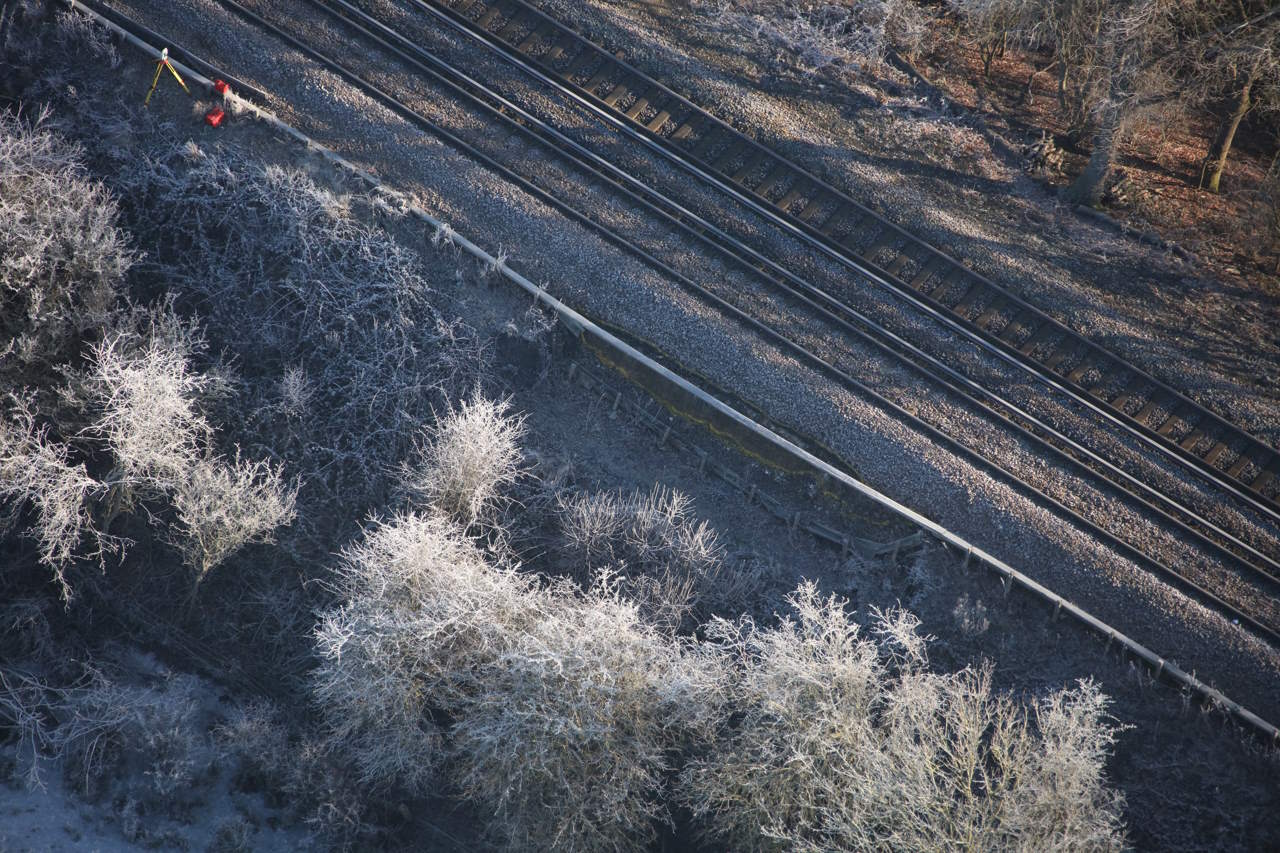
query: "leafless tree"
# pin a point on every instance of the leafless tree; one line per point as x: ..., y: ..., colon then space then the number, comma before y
x: 992, y: 24
x: 36, y: 470
x: 1236, y: 68
x: 1119, y: 62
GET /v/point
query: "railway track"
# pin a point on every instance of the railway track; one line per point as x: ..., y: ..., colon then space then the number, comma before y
x: 829, y: 219
x: 802, y: 296
x: 1010, y: 577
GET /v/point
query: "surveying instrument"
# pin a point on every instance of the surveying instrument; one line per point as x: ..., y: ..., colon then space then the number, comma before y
x: 161, y: 64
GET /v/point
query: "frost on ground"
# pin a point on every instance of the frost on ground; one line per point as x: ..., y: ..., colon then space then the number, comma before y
x: 817, y: 35
x: 549, y: 683
x: 570, y: 707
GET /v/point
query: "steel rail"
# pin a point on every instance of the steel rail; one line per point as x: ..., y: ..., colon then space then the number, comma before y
x: 753, y: 262
x: 585, y: 329
x: 810, y: 235
x: 1186, y: 584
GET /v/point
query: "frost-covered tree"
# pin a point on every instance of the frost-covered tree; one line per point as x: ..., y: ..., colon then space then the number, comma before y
x: 568, y: 743
x: 36, y: 470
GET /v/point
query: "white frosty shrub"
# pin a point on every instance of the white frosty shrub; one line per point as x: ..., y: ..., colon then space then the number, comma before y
x: 223, y: 505
x: 565, y: 708
x: 341, y: 351
x: 569, y: 742
x: 468, y: 457
x: 664, y: 558
x: 145, y: 396
x: 423, y: 616
x: 61, y: 254
x: 840, y: 741
x: 36, y: 470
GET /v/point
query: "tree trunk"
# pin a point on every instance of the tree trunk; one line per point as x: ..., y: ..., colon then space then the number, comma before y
x: 1092, y: 183
x: 1216, y: 160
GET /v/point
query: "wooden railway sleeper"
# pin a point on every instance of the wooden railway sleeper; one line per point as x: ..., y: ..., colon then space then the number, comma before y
x: 1270, y: 472
x: 727, y: 158
x: 839, y: 218
x: 1192, y: 439
x: 642, y: 103
x: 802, y: 188
x: 926, y: 271
x: 560, y: 49
x: 1019, y: 323
x: 688, y: 128
x: 1240, y: 464
x: 748, y: 168
x: 888, y: 238
x: 776, y: 174
x: 1158, y: 402
x: 1217, y: 452
x: 953, y: 278
x: 605, y: 72
x: 814, y: 206
x: 900, y: 260
x: 618, y: 92
x: 1136, y: 383
x: 491, y: 15
x: 1175, y: 419
x: 975, y: 292
x: 536, y: 37
x: 656, y: 123
x: 858, y: 228
x: 1066, y: 349
x: 1046, y: 332
x: 993, y: 312
x: 580, y: 63
x: 1093, y: 359
x: 515, y: 24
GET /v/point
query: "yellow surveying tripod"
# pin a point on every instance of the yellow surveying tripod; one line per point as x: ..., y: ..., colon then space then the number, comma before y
x: 161, y: 64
